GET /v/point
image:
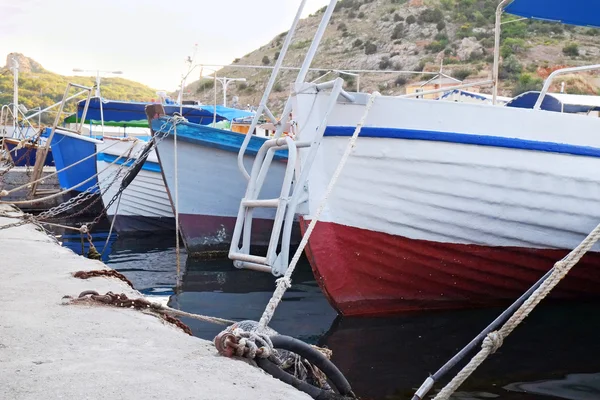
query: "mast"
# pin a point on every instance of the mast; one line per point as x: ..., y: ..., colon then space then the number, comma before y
x: 15, y: 94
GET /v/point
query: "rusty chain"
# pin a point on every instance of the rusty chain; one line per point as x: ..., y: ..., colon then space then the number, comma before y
x: 121, y: 300
x: 102, y: 272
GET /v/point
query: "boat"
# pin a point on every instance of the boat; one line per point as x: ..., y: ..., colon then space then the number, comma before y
x: 209, y: 185
x: 118, y: 131
x: 444, y: 204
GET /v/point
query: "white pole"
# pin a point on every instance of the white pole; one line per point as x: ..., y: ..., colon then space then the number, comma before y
x: 100, y: 100
x: 225, y: 83
x: 15, y: 94
x: 496, y: 66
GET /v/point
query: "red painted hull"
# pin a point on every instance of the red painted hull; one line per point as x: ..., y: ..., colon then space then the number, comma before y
x: 210, y: 235
x: 367, y: 273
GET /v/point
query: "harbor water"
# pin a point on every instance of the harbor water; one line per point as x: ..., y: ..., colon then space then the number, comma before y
x: 554, y: 354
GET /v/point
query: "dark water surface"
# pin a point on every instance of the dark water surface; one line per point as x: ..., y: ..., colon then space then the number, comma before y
x: 554, y: 354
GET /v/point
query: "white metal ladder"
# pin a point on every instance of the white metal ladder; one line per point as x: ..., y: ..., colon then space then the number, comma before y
x: 289, y: 199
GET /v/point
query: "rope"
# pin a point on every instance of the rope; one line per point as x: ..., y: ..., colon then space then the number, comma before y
x: 112, y: 224
x: 494, y: 340
x: 205, y: 318
x: 177, y: 247
x: 285, y: 282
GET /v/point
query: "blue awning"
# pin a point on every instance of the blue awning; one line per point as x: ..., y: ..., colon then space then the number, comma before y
x: 572, y: 12
x: 557, y: 102
x: 132, y: 113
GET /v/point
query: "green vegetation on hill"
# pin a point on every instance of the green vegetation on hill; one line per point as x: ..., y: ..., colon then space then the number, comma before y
x: 420, y: 35
x: 41, y: 88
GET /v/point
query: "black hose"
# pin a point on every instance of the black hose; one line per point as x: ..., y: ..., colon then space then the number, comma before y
x: 316, y: 358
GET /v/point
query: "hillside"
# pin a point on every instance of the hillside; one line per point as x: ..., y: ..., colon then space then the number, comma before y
x: 40, y: 87
x: 419, y: 35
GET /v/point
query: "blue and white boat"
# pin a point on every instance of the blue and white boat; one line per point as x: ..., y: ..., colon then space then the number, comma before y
x: 446, y: 204
x: 117, y: 131
x: 209, y: 184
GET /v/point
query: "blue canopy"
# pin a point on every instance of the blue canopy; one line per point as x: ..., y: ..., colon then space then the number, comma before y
x: 132, y: 113
x: 557, y: 102
x: 572, y: 12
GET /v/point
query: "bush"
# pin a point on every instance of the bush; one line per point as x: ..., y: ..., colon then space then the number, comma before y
x: 237, y: 60
x: 370, y: 48
x: 398, y: 18
x: 441, y: 25
x: 357, y: 43
x: 431, y: 15
x: 266, y: 60
x: 242, y: 86
x: 512, y: 46
x: 400, y: 81
x: 278, y: 87
x: 527, y: 83
x: 361, y: 15
x: 462, y: 74
x: 436, y: 46
x: 385, y: 63
x: 572, y: 50
x: 398, y: 32
x: 342, y: 27
x: 510, y: 68
x: 276, y: 56
x: 464, y: 31
x: 411, y: 19
x: 441, y: 36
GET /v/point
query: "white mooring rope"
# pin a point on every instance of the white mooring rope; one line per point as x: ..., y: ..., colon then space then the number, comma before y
x: 285, y: 282
x: 494, y: 340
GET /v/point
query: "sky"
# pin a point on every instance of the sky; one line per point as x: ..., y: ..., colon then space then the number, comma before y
x: 148, y: 40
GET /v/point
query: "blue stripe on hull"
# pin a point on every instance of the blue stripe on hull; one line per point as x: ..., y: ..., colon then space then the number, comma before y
x: 215, y: 138
x: 148, y: 165
x: 464, y: 138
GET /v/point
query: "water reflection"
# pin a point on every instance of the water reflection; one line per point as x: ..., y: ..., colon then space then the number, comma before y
x: 553, y: 354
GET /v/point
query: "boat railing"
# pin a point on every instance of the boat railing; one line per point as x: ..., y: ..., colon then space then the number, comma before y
x: 43, y: 150
x: 554, y: 74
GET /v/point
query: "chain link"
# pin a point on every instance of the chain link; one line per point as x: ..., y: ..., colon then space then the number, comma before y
x: 121, y: 300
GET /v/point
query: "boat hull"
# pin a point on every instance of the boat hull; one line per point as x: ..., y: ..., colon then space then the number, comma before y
x: 210, y: 187
x: 25, y: 156
x: 451, y: 211
x: 364, y: 272
x: 144, y: 205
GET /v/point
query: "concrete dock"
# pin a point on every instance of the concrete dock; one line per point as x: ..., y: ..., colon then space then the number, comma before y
x: 49, y: 350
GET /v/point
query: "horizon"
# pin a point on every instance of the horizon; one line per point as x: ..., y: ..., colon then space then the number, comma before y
x: 141, y: 50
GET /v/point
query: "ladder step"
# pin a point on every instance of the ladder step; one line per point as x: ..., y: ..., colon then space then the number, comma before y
x: 252, y: 266
x: 248, y: 258
x: 272, y: 203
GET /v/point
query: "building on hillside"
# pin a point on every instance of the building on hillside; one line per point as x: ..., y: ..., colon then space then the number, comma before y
x: 437, y: 82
